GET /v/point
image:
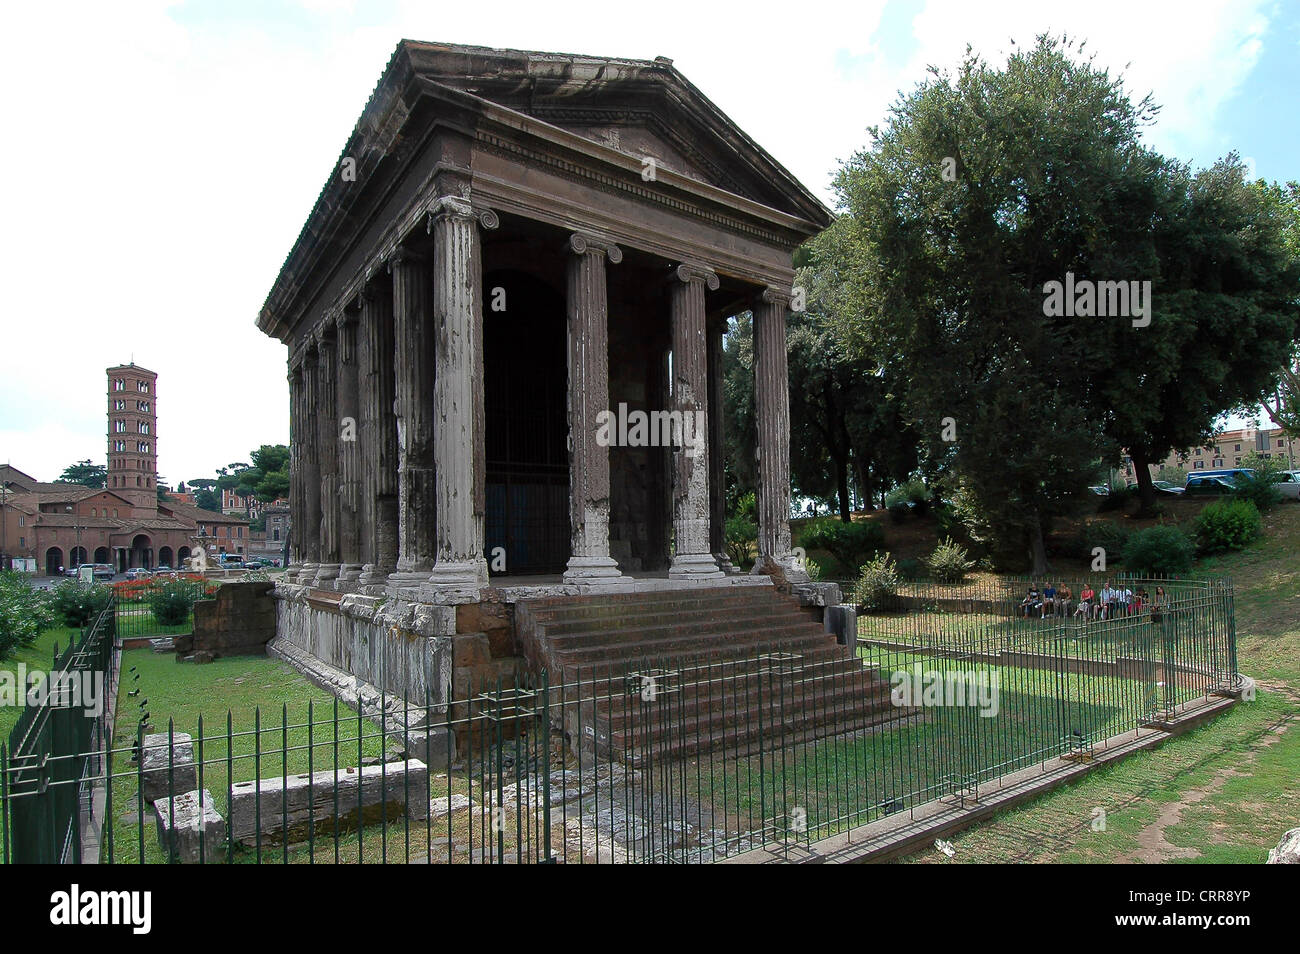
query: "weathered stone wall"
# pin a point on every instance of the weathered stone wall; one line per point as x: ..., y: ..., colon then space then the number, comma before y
x: 239, y: 621
x: 403, y: 651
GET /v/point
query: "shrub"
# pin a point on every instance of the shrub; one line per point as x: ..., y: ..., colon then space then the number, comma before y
x: 24, y: 612
x: 1260, y: 491
x: 948, y: 562
x: 1160, y: 550
x: 1227, y: 525
x: 740, y: 533
x: 78, y: 603
x: 852, y: 544
x: 877, y: 583
x: 1111, y: 537
x: 172, y: 602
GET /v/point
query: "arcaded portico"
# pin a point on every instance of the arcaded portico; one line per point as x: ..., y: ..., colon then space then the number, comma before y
x: 511, y: 244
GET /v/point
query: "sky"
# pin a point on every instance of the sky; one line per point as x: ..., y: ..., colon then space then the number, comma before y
x: 161, y: 157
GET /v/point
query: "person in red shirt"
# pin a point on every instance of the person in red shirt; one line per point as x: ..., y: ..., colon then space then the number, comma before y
x: 1086, y: 596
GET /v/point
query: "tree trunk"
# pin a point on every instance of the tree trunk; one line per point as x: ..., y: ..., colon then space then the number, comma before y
x: 1037, y: 547
x: 842, y: 487
x: 1146, y: 489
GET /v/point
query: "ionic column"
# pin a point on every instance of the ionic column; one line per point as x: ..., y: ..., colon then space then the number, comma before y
x: 310, y: 535
x: 416, y: 494
x: 327, y: 425
x: 692, y: 559
x: 296, y: 517
x: 772, y: 400
x: 460, y: 568
x: 717, y: 450
x: 379, y: 445
x: 348, y: 440
x: 588, y: 315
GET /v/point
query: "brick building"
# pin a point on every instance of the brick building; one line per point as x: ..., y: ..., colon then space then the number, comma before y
x: 58, y: 525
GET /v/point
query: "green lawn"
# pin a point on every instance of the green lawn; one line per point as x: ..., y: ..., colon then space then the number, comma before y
x: 1223, y: 793
x: 39, y: 655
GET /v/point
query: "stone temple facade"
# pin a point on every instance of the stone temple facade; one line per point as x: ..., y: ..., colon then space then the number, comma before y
x: 518, y: 257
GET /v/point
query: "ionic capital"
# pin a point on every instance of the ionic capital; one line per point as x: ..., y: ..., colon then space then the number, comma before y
x: 688, y: 272
x: 584, y: 243
x: 773, y: 295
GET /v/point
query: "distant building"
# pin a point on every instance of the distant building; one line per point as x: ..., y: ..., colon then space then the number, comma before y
x: 60, y: 525
x: 1227, y: 450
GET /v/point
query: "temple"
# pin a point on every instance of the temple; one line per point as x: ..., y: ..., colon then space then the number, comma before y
x: 512, y: 247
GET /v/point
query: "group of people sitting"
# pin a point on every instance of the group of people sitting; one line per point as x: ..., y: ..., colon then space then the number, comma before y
x: 1109, y: 603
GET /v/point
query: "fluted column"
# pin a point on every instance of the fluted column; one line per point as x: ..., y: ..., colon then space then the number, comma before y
x: 327, y: 449
x: 310, y: 534
x: 460, y: 569
x: 588, y: 325
x: 379, y: 422
x: 717, y: 450
x: 772, y: 400
x: 296, y: 516
x: 349, y: 452
x: 417, y: 506
x: 692, y: 558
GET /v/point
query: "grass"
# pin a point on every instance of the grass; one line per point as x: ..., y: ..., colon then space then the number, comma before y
x: 945, y: 750
x: 38, y: 656
x: 1222, y: 793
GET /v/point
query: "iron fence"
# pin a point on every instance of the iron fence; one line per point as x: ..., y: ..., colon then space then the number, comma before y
x: 681, y: 759
x: 56, y: 751
x: 158, y: 606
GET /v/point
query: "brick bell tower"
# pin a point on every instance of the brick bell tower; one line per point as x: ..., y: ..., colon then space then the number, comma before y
x: 133, y: 436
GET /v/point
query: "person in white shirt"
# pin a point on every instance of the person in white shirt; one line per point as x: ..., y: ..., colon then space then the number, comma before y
x: 1126, y: 600
x: 1105, y: 601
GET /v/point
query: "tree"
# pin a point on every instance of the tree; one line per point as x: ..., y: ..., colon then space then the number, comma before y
x: 1225, y: 311
x: 205, y: 494
x: 981, y: 189
x: 85, y: 473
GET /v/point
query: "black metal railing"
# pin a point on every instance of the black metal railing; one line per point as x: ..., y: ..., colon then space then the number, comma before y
x: 682, y: 759
x: 56, y: 751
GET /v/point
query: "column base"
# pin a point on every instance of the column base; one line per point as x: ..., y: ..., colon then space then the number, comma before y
x: 374, y: 579
x: 725, y: 564
x: 291, y: 572
x: 695, y: 566
x: 307, y: 574
x: 405, y: 583
x: 600, y: 570
x: 349, y: 574
x: 459, y: 580
x: 767, y: 565
x: 326, y: 575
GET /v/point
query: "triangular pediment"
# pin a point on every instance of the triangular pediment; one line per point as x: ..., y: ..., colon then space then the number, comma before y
x: 644, y: 108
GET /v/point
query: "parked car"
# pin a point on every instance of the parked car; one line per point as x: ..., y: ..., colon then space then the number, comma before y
x: 162, y: 568
x: 138, y: 573
x: 1100, y: 490
x: 71, y: 571
x: 1209, y: 486
x: 1167, y: 487
x: 252, y: 565
x: 1288, y: 485
x: 105, y: 571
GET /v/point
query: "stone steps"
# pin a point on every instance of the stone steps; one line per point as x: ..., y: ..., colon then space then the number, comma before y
x: 732, y: 666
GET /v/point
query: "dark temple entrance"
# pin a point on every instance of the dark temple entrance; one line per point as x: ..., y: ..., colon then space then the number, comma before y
x: 525, y: 368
